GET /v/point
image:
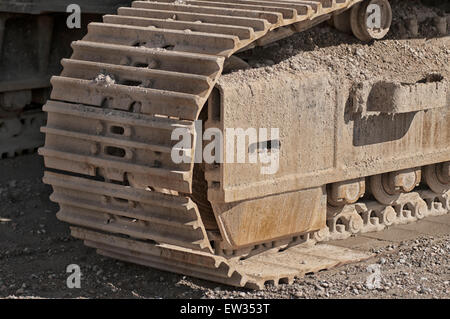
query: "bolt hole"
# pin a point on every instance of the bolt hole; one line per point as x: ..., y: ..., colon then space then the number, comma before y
x: 115, y: 151
x: 120, y: 200
x: 266, y: 146
x: 117, y: 130
x: 131, y: 83
x: 139, y: 44
x: 141, y: 65
x: 215, y: 184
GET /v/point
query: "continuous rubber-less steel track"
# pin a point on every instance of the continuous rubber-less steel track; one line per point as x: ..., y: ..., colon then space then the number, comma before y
x: 154, y: 66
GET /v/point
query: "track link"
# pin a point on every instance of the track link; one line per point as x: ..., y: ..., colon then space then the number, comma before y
x: 20, y: 135
x: 130, y: 82
x: 369, y: 216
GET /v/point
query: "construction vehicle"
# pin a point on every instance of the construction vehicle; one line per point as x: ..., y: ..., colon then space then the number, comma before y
x: 351, y: 158
x: 34, y: 38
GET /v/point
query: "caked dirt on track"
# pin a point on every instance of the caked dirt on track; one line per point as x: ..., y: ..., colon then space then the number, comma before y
x: 399, y: 57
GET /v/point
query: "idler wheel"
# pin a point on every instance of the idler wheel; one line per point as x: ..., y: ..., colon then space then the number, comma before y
x: 371, y: 19
x: 437, y: 177
x: 386, y: 188
x: 344, y: 193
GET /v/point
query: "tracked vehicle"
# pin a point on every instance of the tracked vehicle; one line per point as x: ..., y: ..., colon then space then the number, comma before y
x: 34, y: 38
x: 353, y: 157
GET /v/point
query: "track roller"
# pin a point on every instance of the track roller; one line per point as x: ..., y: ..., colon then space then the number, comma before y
x: 386, y: 188
x: 371, y: 19
x: 344, y: 193
x: 437, y: 177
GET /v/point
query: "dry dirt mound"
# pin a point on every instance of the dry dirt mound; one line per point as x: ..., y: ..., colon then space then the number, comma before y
x: 399, y: 57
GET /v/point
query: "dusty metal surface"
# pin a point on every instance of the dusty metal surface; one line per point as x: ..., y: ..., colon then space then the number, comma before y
x: 129, y: 84
x: 324, y: 139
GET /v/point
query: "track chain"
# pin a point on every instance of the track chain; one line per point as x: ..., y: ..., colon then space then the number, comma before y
x: 19, y: 135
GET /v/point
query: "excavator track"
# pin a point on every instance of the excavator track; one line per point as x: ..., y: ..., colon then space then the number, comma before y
x: 130, y: 82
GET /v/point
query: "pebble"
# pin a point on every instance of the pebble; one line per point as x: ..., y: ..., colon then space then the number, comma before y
x: 319, y: 288
x: 359, y: 52
x: 20, y: 291
x: 298, y: 294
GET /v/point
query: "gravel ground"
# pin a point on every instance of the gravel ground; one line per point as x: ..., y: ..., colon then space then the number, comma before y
x: 35, y: 248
